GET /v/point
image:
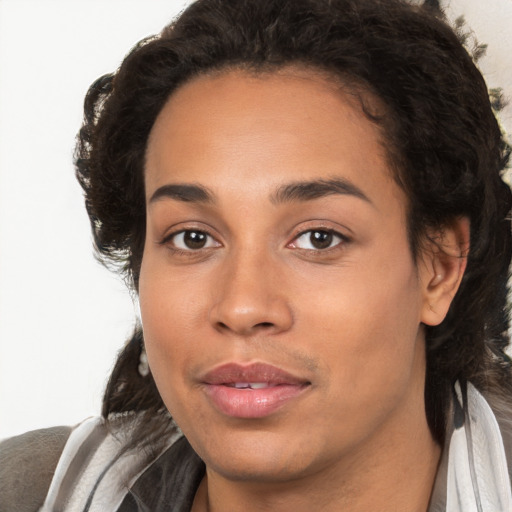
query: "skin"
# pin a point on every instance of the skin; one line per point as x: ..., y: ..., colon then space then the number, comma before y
x: 348, y: 318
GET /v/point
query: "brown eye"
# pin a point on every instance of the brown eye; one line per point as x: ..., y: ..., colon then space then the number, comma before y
x: 318, y: 239
x: 194, y: 239
x: 321, y: 239
x: 190, y: 240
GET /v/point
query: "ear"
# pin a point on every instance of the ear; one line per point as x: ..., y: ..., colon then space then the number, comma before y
x: 442, y: 267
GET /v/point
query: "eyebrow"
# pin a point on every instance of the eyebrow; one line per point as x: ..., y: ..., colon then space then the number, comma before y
x: 187, y: 193
x: 297, y: 191
x: 316, y: 189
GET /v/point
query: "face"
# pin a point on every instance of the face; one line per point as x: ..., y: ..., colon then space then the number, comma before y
x: 280, y: 302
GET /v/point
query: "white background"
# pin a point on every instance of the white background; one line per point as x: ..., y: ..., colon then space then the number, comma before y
x: 62, y: 316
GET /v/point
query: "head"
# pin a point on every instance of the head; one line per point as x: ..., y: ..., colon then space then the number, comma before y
x: 416, y: 91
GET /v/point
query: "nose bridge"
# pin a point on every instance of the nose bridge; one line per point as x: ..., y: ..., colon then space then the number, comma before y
x: 250, y: 295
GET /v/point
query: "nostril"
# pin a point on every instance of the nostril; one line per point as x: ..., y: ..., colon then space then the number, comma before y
x: 264, y: 325
x: 259, y: 326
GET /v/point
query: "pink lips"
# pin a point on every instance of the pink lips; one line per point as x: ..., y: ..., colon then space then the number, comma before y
x: 252, y: 391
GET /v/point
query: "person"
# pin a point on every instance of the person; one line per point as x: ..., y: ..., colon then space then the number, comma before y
x: 307, y: 199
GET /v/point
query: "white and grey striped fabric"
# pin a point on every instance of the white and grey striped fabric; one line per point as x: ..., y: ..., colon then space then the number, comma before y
x: 95, y: 472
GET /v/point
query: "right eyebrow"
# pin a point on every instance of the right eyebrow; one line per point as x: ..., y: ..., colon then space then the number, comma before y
x: 183, y: 192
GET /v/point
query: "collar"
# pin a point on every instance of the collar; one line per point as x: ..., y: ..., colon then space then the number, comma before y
x: 473, y: 473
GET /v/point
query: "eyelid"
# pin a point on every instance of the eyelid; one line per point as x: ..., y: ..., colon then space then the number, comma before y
x: 309, y: 231
x: 168, y: 237
x: 320, y: 226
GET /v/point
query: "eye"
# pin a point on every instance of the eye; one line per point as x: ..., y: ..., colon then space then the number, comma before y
x: 191, y: 240
x: 318, y: 239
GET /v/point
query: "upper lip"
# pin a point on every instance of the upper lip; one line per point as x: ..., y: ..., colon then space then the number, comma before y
x: 231, y: 373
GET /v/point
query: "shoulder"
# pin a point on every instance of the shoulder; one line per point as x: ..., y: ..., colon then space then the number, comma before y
x: 27, y: 465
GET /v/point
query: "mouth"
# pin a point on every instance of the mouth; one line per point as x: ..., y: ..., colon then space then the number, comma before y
x: 251, y: 391
x: 251, y: 385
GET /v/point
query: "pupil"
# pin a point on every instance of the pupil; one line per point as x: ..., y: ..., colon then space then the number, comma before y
x: 321, y: 239
x: 194, y: 239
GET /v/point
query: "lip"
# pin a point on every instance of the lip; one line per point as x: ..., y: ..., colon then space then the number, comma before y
x: 282, y: 387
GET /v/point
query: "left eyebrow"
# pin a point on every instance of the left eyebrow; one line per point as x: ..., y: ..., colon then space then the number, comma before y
x: 315, y: 189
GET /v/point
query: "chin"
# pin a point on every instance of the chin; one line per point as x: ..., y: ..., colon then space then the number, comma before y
x: 258, y: 470
x: 258, y: 457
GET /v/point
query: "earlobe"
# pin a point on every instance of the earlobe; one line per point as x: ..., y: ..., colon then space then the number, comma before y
x: 444, y: 263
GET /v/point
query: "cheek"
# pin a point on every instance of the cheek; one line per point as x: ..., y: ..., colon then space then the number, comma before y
x: 367, y: 325
x: 169, y: 319
x: 169, y: 298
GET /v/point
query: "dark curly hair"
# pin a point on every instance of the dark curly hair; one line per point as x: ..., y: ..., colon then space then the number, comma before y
x: 443, y: 142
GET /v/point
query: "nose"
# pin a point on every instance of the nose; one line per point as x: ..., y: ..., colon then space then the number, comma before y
x: 250, y: 298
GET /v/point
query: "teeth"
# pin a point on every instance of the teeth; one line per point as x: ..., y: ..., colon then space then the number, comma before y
x: 250, y: 385
x: 259, y: 385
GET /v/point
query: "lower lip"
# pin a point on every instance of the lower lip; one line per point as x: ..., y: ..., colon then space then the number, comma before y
x: 252, y: 403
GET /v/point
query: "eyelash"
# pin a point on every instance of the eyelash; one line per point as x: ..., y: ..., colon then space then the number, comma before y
x: 170, y: 238
x: 170, y: 241
x: 342, y: 239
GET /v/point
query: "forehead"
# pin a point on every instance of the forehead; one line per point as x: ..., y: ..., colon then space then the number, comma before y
x: 236, y: 130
